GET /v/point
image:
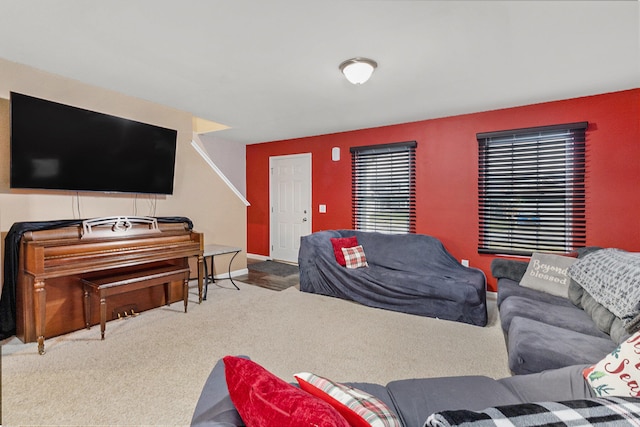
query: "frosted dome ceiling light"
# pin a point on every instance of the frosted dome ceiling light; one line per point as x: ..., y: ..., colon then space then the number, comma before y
x: 358, y: 70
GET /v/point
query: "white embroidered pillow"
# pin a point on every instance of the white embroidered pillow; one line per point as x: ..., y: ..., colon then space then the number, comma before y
x: 618, y: 374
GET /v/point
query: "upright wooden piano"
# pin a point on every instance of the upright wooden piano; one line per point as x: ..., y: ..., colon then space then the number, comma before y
x: 52, y: 264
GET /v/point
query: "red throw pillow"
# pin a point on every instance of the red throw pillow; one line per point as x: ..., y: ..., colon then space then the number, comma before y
x: 264, y: 400
x: 342, y: 242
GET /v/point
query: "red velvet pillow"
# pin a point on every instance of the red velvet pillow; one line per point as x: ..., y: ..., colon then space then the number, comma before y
x: 342, y: 242
x: 264, y: 400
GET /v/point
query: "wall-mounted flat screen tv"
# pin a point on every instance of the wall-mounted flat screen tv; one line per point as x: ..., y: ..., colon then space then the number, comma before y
x: 60, y: 147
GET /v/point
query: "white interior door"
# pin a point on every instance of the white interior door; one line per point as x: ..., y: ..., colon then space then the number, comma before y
x: 290, y: 200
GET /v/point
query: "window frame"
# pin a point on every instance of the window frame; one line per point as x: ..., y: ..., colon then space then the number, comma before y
x: 531, y: 190
x: 383, y: 186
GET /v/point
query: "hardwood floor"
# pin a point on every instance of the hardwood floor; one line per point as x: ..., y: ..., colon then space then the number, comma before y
x: 268, y: 281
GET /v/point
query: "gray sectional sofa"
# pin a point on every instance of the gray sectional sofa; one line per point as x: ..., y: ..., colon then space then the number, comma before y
x: 551, y: 339
x: 410, y: 273
x: 545, y: 331
x: 413, y: 400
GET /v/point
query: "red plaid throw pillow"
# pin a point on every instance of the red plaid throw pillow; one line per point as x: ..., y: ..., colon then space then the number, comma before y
x: 354, y: 257
x: 360, y: 409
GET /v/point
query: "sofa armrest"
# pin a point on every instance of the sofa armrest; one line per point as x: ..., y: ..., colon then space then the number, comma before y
x: 508, y: 268
x: 214, y: 407
x: 416, y: 399
x: 555, y: 384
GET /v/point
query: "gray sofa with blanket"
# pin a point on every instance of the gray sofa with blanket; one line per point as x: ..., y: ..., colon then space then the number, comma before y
x: 410, y: 273
x: 413, y: 400
x: 545, y: 331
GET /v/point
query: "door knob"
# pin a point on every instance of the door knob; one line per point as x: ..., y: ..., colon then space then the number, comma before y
x: 304, y: 219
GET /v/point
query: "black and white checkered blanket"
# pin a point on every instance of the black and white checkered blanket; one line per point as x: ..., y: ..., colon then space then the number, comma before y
x: 610, y: 411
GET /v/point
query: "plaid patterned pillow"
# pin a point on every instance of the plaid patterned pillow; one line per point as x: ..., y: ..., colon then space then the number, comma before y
x: 360, y: 409
x: 354, y: 257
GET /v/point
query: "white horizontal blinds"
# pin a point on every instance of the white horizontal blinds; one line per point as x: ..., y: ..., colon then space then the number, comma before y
x: 383, y: 188
x: 531, y: 189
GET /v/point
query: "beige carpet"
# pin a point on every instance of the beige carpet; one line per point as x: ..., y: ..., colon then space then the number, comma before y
x: 150, y: 369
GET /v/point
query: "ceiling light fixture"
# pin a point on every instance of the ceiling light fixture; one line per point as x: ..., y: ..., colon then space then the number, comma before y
x: 358, y: 70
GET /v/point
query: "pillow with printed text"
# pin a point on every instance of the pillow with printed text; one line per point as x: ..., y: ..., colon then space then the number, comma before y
x: 617, y: 374
x: 548, y: 273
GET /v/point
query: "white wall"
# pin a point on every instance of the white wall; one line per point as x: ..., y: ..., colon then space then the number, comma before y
x: 199, y: 193
x: 229, y: 157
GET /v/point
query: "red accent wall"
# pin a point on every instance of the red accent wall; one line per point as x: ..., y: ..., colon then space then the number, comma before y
x: 447, y: 166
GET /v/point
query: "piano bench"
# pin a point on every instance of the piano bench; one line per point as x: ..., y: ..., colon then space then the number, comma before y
x: 106, y: 286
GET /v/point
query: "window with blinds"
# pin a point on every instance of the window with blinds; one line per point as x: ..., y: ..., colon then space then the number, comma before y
x: 531, y: 191
x: 384, y: 188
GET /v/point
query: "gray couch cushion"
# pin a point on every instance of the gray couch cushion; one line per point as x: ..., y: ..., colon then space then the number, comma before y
x: 508, y: 269
x: 508, y: 288
x: 601, y: 316
x: 604, y: 319
x: 571, y: 318
x: 618, y: 331
x: 557, y: 384
x: 575, y: 293
x: 416, y: 399
x: 535, y: 346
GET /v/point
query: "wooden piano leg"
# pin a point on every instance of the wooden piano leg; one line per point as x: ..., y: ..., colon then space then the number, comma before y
x: 103, y: 316
x: 87, y: 308
x: 167, y: 293
x: 185, y: 293
x: 39, y: 308
x: 200, y: 277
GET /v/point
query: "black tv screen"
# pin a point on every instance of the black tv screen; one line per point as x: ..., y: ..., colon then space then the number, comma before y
x: 60, y: 147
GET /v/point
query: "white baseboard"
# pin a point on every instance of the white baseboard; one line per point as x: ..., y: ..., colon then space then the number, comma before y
x: 258, y: 257
x: 234, y: 273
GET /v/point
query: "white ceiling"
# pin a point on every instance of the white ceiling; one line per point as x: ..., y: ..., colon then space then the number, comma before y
x: 269, y: 69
